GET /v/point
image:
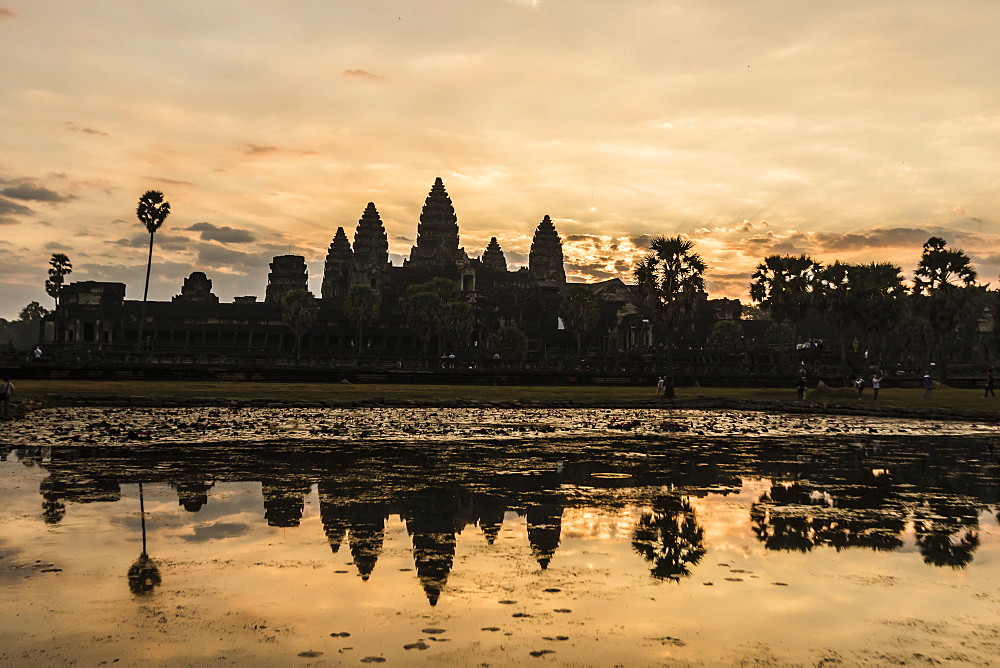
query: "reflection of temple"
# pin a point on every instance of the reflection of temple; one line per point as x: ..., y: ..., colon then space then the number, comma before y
x: 192, y: 494
x: 845, y: 501
x: 432, y: 530
x: 367, y: 534
x: 544, y: 519
x: 284, y: 501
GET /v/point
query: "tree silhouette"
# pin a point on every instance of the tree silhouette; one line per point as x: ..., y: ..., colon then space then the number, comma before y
x: 670, y: 281
x: 33, y: 312
x: 784, y: 286
x: 152, y: 211
x: 362, y: 308
x: 512, y: 341
x: 59, y: 268
x: 432, y: 309
x: 868, y: 296
x: 579, y: 310
x: 943, y: 288
x: 459, y: 320
x: 670, y: 538
x: 299, y: 313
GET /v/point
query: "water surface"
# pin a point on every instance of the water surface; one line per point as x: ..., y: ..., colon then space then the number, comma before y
x: 496, y: 537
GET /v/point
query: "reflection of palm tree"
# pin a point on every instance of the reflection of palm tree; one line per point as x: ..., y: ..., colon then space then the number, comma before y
x: 670, y: 538
x: 143, y: 574
x: 947, y: 535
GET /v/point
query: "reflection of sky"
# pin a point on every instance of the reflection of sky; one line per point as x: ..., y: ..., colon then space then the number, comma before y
x: 234, y: 587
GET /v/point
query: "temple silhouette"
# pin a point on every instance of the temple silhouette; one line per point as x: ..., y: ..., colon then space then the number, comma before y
x: 96, y: 316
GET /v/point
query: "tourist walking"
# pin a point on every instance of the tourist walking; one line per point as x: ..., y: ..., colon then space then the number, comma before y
x: 661, y: 387
x: 800, y: 389
x: 876, y: 384
x: 989, y: 384
x: 928, y: 384
x: 859, y: 383
x: 6, y: 389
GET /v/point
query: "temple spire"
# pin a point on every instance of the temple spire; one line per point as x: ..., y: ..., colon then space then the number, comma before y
x: 493, y: 257
x: 371, y: 248
x: 545, y: 260
x: 437, y: 232
x: 337, y: 271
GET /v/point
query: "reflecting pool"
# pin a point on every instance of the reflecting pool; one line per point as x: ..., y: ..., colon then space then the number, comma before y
x: 496, y: 538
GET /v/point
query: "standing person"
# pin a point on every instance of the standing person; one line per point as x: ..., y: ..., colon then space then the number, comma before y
x: 6, y: 389
x: 38, y: 353
x: 989, y: 384
x: 859, y: 383
x: 928, y: 385
x: 661, y: 387
x: 800, y: 389
x: 876, y: 384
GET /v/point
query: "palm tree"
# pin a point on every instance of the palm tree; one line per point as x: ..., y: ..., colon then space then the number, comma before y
x: 878, y: 300
x: 834, y: 301
x: 943, y: 285
x: 579, y: 310
x: 785, y: 286
x: 59, y: 268
x: 362, y: 308
x: 152, y: 211
x: 670, y: 281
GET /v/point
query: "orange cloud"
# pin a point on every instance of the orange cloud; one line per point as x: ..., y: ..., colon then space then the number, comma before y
x: 361, y: 74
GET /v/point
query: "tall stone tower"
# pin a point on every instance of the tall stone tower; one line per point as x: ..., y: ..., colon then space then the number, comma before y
x: 437, y: 233
x: 288, y: 272
x: 493, y: 257
x: 337, y: 271
x: 545, y: 260
x: 371, y: 249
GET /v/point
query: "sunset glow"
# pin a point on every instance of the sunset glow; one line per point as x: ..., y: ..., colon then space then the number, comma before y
x: 850, y: 131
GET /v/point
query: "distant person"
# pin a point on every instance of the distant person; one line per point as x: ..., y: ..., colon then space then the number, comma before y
x: 859, y: 384
x: 989, y: 384
x: 800, y: 389
x: 876, y: 384
x: 661, y: 387
x: 37, y: 352
x: 6, y: 389
x: 928, y: 385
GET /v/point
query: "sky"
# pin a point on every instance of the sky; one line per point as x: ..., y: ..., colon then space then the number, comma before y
x: 849, y: 131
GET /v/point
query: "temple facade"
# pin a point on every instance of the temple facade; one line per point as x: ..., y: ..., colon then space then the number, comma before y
x: 485, y: 297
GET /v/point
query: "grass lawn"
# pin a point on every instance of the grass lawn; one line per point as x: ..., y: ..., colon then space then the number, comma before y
x: 943, y: 397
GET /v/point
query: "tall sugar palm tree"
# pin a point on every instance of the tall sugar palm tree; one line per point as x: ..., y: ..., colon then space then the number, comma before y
x: 670, y: 281
x: 152, y: 211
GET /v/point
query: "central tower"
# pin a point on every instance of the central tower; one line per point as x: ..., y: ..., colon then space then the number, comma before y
x: 437, y: 232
